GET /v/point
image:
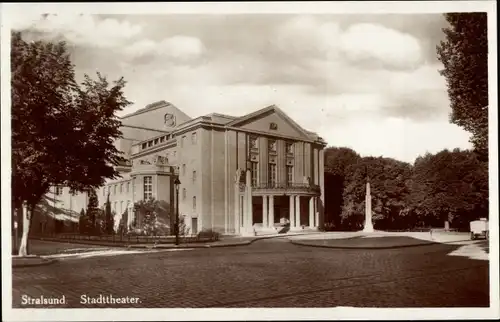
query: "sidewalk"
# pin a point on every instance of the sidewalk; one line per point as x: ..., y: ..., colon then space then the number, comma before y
x: 30, y: 260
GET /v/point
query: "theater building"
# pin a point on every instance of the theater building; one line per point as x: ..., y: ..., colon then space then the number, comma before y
x: 238, y: 175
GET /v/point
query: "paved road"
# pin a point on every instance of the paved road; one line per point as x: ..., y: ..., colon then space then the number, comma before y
x: 268, y: 273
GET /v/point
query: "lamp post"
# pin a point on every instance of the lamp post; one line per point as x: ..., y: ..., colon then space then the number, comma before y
x: 177, y: 183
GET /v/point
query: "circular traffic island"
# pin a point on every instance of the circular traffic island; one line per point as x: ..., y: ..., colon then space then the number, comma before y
x: 365, y: 242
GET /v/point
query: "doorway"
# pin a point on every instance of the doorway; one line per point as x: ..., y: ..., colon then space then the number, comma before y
x: 194, y: 226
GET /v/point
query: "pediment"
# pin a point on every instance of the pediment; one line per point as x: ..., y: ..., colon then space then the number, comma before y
x: 270, y: 120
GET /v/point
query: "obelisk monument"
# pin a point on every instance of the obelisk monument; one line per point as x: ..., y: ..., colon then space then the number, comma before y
x: 368, y: 209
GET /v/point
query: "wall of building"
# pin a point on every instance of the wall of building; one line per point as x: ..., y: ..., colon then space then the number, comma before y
x: 120, y: 193
x: 218, y: 174
x: 67, y: 201
x: 189, y: 154
x: 214, y: 155
x: 231, y: 167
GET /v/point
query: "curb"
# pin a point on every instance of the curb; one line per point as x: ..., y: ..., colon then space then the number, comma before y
x: 374, y: 247
x: 243, y: 243
x: 43, y: 262
x: 172, y: 246
x: 188, y: 246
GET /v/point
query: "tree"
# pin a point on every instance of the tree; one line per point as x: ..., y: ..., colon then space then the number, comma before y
x: 337, y: 159
x: 389, y: 189
x: 154, y: 216
x: 464, y: 54
x: 109, y: 218
x: 82, y: 223
x: 123, y: 224
x: 93, y: 211
x: 450, y: 186
x: 62, y: 132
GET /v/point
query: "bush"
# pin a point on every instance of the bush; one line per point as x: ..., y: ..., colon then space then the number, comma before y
x: 328, y: 226
x: 136, y: 232
x: 209, y: 234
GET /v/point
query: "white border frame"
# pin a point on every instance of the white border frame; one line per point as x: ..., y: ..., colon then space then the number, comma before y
x: 10, y: 11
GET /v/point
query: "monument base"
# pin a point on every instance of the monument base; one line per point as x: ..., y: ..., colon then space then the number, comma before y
x: 368, y: 229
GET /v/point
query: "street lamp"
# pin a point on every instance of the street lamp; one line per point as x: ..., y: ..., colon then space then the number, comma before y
x: 177, y: 183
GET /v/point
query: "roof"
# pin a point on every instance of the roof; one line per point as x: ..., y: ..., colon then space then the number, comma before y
x: 148, y: 108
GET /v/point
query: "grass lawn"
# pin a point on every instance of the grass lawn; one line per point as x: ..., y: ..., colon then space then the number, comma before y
x: 374, y: 242
x: 40, y: 247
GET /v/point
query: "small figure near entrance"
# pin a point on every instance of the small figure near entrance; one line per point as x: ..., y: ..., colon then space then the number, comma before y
x: 284, y: 221
x: 285, y: 225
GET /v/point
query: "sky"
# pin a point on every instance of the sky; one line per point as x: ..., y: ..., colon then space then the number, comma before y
x: 368, y: 82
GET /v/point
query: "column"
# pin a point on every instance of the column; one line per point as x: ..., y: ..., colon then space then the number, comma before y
x: 264, y: 212
x: 297, y: 211
x: 311, y: 212
x: 316, y: 212
x: 271, y: 211
x: 237, y: 208
x: 249, y: 212
x: 292, y: 211
x: 242, y: 208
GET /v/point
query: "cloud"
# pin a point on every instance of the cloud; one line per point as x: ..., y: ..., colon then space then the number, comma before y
x: 85, y: 30
x: 305, y: 36
x: 361, y: 42
x: 364, y: 83
x: 364, y: 43
x: 181, y: 48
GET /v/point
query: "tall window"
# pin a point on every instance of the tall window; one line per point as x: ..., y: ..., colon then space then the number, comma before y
x: 59, y: 190
x: 121, y: 207
x: 255, y: 173
x: 128, y: 187
x: 289, y: 174
x: 182, y: 141
x: 193, y: 138
x: 194, y: 176
x: 114, y: 189
x: 272, y: 145
x: 272, y: 174
x: 104, y: 191
x: 184, y: 194
x: 194, y: 203
x: 121, y: 187
x: 253, y: 143
x: 183, y: 169
x: 148, y: 188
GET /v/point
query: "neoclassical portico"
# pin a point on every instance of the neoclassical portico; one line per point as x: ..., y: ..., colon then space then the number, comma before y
x: 264, y: 208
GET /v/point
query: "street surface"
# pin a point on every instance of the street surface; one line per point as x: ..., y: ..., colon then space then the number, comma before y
x: 269, y: 273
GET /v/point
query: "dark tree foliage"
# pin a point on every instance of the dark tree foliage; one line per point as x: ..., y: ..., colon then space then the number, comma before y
x: 389, y: 189
x: 336, y: 162
x: 450, y: 186
x: 464, y: 54
x: 447, y: 186
x: 82, y: 223
x: 109, y: 218
x: 154, y: 217
x: 93, y: 211
x: 62, y: 132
